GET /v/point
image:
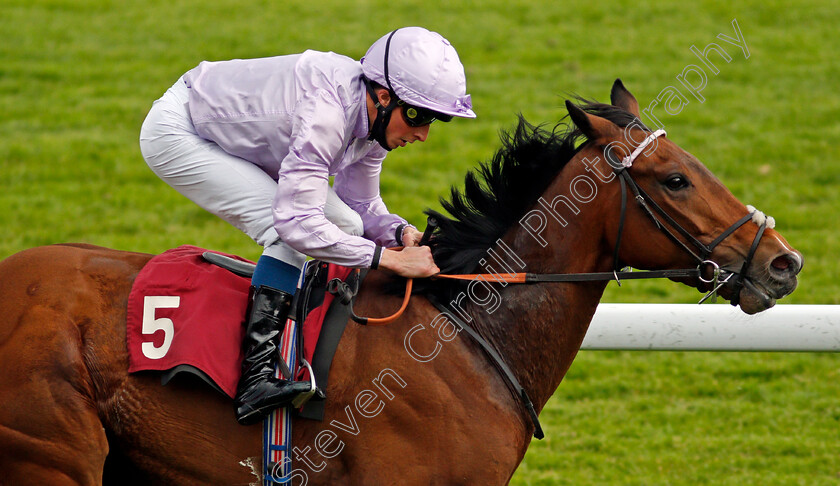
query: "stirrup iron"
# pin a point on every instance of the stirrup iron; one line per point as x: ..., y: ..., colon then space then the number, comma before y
x: 304, y: 397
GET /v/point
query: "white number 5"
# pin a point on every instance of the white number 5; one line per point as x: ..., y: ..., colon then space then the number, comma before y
x: 152, y: 325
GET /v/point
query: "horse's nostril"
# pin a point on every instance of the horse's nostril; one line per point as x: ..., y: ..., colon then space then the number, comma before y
x: 781, y: 263
x: 786, y: 264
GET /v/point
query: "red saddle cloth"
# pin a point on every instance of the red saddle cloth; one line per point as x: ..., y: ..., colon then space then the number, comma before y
x: 183, y: 310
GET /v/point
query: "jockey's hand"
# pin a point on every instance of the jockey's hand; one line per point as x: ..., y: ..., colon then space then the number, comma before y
x: 411, y: 237
x: 410, y: 262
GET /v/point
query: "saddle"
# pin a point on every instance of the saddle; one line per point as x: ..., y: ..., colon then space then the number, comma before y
x: 186, y: 312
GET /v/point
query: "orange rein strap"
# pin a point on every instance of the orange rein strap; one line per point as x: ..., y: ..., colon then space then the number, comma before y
x: 519, y: 278
x: 381, y: 321
x: 409, y: 283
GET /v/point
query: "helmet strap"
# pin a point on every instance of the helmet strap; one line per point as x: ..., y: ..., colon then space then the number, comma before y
x: 383, y: 113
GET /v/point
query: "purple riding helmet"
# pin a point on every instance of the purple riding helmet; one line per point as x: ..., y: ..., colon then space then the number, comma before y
x: 423, y: 74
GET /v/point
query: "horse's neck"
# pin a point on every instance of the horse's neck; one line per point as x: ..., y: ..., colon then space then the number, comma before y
x: 539, y: 328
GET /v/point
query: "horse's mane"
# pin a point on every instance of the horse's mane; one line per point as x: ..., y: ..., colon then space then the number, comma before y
x: 497, y: 194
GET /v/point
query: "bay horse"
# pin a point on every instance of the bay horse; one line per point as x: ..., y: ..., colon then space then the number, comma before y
x: 412, y: 402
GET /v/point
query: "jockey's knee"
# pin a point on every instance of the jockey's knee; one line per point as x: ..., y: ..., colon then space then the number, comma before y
x: 350, y: 222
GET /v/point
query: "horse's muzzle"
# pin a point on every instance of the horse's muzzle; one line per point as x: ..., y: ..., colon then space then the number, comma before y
x: 776, y: 279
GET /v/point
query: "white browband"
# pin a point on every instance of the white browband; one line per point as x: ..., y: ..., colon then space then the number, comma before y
x: 628, y: 161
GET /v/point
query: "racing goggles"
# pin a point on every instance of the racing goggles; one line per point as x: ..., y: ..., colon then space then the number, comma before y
x: 415, y: 116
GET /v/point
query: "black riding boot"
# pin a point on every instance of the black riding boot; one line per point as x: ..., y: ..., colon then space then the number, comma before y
x: 259, y: 392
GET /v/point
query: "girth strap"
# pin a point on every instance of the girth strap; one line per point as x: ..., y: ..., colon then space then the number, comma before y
x: 498, y: 362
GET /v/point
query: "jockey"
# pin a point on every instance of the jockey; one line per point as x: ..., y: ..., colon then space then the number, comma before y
x: 256, y: 141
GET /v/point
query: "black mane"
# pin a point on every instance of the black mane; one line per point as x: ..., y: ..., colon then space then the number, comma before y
x: 497, y: 194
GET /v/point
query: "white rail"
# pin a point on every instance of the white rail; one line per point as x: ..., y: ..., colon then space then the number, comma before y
x: 691, y: 327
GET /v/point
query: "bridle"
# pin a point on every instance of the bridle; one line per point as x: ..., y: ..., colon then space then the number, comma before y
x: 700, y: 252
x: 703, y: 253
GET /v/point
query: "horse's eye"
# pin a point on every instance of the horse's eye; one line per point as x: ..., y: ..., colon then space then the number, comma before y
x: 676, y: 182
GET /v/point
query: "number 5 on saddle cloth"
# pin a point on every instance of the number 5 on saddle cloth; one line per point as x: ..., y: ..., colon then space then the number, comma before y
x: 186, y: 308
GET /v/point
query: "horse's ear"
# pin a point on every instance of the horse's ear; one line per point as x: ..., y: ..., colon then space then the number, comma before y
x: 594, y: 127
x: 620, y: 97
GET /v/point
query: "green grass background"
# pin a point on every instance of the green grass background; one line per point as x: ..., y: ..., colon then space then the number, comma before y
x: 77, y: 78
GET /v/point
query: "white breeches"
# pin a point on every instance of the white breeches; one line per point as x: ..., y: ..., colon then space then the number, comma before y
x: 232, y: 188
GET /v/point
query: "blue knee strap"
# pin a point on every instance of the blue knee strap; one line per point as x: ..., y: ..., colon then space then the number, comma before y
x: 274, y: 273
